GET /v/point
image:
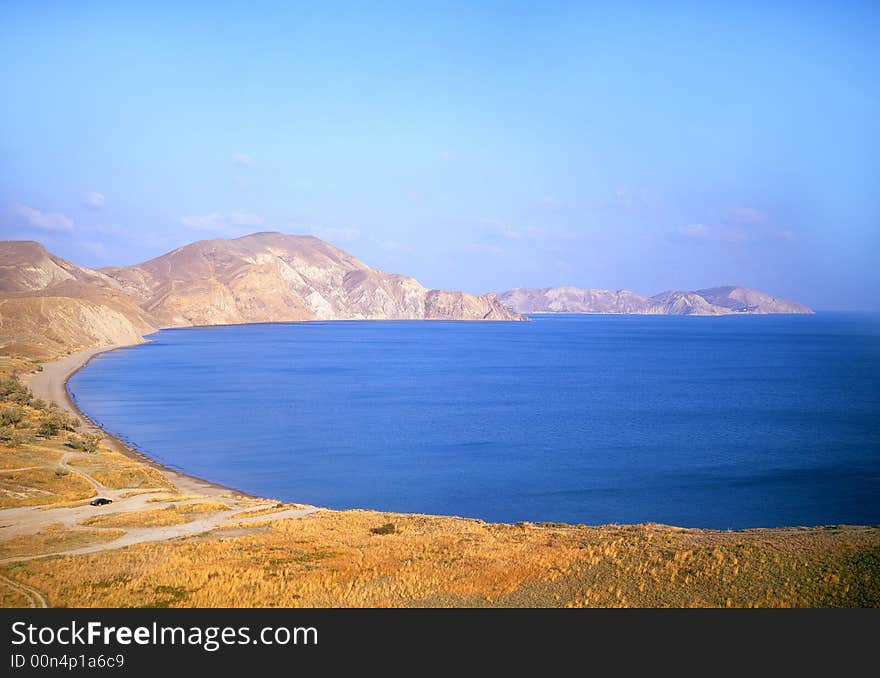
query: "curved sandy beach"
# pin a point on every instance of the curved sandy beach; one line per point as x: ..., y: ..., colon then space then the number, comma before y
x: 50, y: 384
x: 246, y: 552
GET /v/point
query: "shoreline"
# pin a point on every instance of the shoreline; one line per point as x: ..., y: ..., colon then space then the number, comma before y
x: 50, y: 384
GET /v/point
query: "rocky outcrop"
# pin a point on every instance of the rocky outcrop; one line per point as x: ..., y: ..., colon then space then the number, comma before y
x: 713, y: 301
x: 444, y: 305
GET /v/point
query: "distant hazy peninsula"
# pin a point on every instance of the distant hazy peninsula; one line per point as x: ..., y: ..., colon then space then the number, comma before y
x: 712, y: 301
x: 49, y: 306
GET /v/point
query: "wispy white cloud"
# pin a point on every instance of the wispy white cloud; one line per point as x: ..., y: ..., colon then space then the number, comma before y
x: 46, y: 221
x: 93, y: 200
x: 242, y: 160
x: 226, y: 224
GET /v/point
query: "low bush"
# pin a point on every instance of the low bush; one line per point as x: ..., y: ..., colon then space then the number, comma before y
x: 56, y: 420
x: 387, y: 528
x: 12, y: 438
x: 87, y: 442
x: 13, y: 391
x: 10, y: 416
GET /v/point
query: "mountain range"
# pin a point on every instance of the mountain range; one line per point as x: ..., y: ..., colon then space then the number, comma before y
x: 50, y: 306
x: 711, y: 301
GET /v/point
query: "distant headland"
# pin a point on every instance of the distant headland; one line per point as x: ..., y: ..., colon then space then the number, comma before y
x: 711, y: 301
x: 50, y: 306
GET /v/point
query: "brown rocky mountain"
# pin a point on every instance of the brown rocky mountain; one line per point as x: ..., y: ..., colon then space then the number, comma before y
x: 745, y: 300
x: 574, y: 300
x: 676, y: 302
x: 268, y: 277
x: 49, y: 306
x: 26, y: 266
x: 714, y: 301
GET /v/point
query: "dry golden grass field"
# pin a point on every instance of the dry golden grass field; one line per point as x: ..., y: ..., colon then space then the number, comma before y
x: 159, y: 545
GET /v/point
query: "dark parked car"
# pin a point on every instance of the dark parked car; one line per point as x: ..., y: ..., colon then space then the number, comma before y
x: 100, y: 501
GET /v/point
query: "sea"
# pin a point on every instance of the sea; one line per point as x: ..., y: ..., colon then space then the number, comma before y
x: 717, y: 422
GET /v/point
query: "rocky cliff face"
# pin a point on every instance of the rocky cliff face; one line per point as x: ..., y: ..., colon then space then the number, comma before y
x: 48, y: 326
x: 269, y: 277
x: 49, y: 305
x: 714, y: 301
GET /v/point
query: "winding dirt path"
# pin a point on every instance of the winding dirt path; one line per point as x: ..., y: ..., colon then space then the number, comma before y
x: 33, y: 519
x: 24, y: 521
x: 140, y: 535
x: 50, y: 384
x: 34, y: 597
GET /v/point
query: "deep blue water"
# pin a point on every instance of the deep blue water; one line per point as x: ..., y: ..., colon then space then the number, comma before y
x: 724, y: 422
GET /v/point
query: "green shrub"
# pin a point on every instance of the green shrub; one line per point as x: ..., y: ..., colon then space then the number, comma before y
x: 10, y: 416
x: 12, y: 438
x: 56, y: 420
x: 87, y: 442
x: 13, y: 391
x: 387, y: 528
x: 47, y: 429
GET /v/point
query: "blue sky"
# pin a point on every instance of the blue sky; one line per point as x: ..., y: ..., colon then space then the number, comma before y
x: 474, y: 145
